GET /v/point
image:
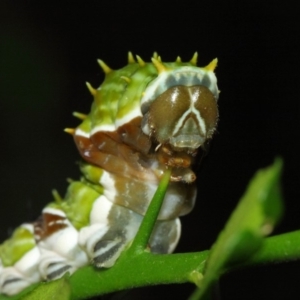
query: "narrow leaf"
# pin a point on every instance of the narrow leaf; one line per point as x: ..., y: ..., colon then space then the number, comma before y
x: 258, y: 211
x: 143, y: 235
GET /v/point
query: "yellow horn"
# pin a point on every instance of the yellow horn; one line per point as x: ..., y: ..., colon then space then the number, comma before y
x: 125, y: 78
x: 79, y: 115
x: 91, y: 89
x: 140, y: 61
x: 69, y: 130
x: 194, y: 59
x: 212, y: 65
x: 155, y: 55
x: 158, y: 65
x: 131, y: 59
x: 106, y: 69
x: 56, y: 196
x: 178, y: 59
x: 70, y: 180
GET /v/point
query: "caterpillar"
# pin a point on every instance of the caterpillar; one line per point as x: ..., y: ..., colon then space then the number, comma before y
x: 145, y: 118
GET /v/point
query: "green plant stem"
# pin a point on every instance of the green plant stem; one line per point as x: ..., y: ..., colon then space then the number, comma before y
x: 276, y: 249
x: 145, y: 269
x: 143, y: 235
x: 150, y: 269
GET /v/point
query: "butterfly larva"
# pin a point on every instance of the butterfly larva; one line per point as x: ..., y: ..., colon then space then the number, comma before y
x: 145, y: 118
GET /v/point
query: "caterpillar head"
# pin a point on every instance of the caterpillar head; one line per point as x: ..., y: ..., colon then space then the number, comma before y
x: 180, y: 107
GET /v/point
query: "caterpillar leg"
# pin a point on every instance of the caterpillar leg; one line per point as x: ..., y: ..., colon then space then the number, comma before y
x: 59, y: 248
x: 19, y: 261
x: 112, y: 228
x: 12, y: 281
x: 165, y: 236
x: 24, y: 273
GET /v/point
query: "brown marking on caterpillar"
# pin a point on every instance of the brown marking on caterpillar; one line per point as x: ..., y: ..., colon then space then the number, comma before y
x: 47, y: 224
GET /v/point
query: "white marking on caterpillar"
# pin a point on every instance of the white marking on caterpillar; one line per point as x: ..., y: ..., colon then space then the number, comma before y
x: 80, y: 132
x: 103, y: 127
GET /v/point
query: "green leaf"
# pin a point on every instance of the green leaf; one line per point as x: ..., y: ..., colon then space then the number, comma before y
x: 258, y: 211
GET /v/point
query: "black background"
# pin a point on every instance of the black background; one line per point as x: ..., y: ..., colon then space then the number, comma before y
x: 48, y: 50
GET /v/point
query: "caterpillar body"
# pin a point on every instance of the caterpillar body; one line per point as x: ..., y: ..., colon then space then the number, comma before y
x: 145, y: 118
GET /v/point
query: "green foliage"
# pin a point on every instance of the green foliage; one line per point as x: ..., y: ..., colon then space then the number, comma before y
x: 255, y: 216
x: 242, y: 243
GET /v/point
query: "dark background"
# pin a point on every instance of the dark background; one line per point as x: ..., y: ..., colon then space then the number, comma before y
x: 48, y: 50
